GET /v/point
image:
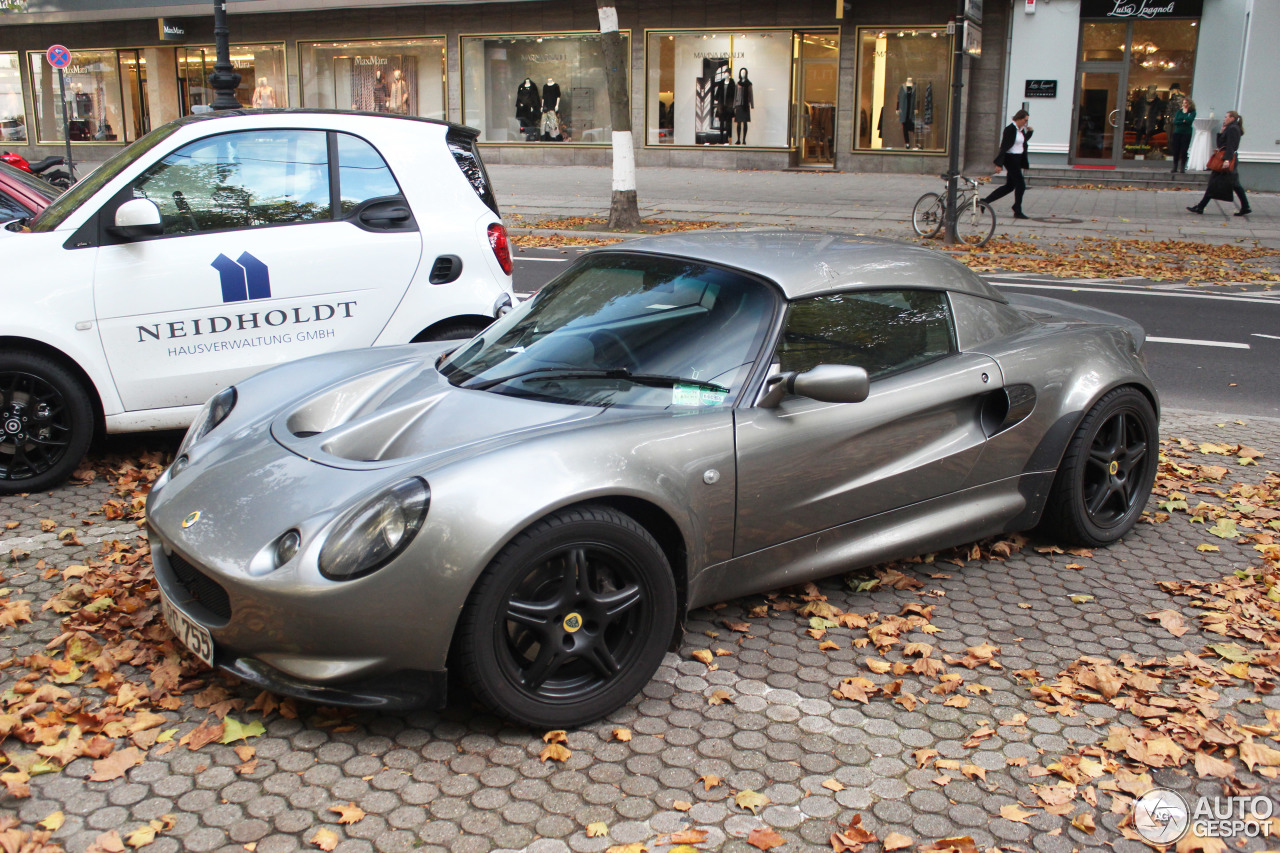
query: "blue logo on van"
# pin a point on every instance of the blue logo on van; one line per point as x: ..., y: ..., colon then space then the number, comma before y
x: 244, y: 278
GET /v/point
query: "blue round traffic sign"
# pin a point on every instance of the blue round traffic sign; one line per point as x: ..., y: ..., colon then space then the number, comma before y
x: 59, y: 56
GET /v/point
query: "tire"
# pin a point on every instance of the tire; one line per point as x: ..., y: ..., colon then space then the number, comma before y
x: 46, y: 422
x: 975, y: 227
x: 1106, y: 474
x: 456, y: 330
x: 927, y: 215
x: 517, y: 647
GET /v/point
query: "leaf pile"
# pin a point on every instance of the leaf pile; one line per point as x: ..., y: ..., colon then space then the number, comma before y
x: 558, y: 241
x: 1095, y: 257
x: 116, y: 653
x: 647, y: 226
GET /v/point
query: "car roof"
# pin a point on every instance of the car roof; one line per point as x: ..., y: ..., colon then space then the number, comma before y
x: 27, y: 184
x: 246, y: 111
x: 811, y: 263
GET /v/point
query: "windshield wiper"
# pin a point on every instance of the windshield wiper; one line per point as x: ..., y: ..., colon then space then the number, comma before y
x: 654, y: 379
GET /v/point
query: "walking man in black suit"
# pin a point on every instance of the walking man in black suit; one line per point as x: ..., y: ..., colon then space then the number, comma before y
x: 1013, y: 159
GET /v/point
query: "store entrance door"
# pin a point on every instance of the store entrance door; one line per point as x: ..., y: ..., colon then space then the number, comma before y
x: 1098, y: 126
x: 817, y: 57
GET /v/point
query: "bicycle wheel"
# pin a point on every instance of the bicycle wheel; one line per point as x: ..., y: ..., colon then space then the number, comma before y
x: 975, y: 225
x: 927, y: 215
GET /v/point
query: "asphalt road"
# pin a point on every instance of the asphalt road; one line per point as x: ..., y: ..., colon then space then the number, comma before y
x: 1214, y: 352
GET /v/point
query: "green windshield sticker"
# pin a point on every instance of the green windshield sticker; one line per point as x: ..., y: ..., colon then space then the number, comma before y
x: 686, y: 395
x: 712, y: 397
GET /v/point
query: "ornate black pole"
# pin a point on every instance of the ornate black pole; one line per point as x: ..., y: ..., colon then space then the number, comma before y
x: 224, y: 78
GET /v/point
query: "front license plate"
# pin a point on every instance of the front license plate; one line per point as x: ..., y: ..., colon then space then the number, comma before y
x: 195, y: 637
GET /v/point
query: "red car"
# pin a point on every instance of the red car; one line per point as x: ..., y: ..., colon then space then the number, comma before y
x: 22, y: 195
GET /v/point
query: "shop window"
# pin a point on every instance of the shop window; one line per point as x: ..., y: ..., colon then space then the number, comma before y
x: 1103, y: 41
x: 261, y: 70
x: 241, y: 180
x: 537, y: 88
x: 719, y: 88
x: 13, y: 116
x: 1162, y: 61
x: 904, y: 84
x: 94, y: 107
x: 401, y: 76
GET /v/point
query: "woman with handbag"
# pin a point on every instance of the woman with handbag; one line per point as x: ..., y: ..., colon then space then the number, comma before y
x: 1224, y: 180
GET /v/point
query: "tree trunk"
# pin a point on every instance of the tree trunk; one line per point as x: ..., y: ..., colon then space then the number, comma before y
x: 624, y: 210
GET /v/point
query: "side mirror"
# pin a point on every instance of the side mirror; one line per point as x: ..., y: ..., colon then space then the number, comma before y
x: 136, y: 218
x: 826, y: 383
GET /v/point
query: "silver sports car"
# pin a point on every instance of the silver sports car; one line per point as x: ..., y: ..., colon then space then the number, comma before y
x: 669, y: 423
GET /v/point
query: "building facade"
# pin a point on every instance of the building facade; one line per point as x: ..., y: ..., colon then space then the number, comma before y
x: 1103, y: 79
x: 761, y: 84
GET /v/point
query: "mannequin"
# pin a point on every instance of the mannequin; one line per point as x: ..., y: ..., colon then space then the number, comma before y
x: 379, y: 92
x: 528, y: 108
x: 264, y: 97
x: 398, y: 96
x: 907, y: 109
x: 551, y: 111
x: 744, y: 100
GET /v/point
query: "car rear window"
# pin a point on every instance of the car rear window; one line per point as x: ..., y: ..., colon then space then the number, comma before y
x: 462, y: 145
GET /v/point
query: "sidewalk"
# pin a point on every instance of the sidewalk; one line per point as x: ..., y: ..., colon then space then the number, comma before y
x: 875, y: 204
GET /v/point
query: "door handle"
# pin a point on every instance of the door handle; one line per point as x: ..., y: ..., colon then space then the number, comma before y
x: 1111, y: 119
x: 378, y: 216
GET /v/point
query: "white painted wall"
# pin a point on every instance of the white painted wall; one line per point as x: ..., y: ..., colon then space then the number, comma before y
x: 1222, y: 30
x: 1044, y: 48
x: 1258, y: 102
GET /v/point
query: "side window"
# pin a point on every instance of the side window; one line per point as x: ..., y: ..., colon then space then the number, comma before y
x: 362, y: 173
x: 248, y: 179
x: 884, y: 331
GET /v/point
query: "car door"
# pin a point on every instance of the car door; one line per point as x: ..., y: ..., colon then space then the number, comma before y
x: 256, y: 264
x: 806, y: 466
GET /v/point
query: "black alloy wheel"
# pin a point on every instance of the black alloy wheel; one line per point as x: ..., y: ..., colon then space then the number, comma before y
x: 1106, y: 474
x: 46, y: 422
x: 569, y: 621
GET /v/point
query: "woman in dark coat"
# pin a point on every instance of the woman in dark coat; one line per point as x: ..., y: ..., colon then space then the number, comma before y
x: 1013, y: 158
x: 1222, y: 184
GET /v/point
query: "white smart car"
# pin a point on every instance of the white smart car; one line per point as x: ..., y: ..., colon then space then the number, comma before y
x: 221, y: 244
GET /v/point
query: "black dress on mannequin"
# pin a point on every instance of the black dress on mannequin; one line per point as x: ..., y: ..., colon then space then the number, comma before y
x: 528, y: 108
x: 744, y: 100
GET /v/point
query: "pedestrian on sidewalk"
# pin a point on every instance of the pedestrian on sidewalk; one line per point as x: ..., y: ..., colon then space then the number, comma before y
x: 1182, y: 129
x: 1013, y: 159
x: 1223, y: 184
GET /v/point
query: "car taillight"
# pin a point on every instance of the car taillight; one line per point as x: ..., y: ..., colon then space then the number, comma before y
x: 501, y: 248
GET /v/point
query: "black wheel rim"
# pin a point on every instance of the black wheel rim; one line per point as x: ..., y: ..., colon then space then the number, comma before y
x: 573, y: 622
x: 35, y: 425
x: 1115, y: 469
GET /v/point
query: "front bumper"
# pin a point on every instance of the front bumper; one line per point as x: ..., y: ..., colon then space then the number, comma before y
x: 202, y: 599
x: 406, y: 690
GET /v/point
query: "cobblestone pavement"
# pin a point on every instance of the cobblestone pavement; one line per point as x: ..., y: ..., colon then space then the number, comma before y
x: 463, y: 781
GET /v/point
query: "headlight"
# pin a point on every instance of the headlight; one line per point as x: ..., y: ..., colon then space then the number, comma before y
x: 367, y: 539
x: 215, y: 411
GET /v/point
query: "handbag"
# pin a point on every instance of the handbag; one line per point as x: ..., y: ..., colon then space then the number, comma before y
x: 1218, y: 161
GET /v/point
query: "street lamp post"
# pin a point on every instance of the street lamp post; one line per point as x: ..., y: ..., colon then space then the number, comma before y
x: 957, y: 101
x: 224, y: 78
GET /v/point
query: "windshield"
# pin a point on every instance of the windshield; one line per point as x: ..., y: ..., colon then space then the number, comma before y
x: 53, y: 215
x: 625, y: 330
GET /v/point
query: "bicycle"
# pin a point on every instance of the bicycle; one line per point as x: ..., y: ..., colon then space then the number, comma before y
x: 975, y: 220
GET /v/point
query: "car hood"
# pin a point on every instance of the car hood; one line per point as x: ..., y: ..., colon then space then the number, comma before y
x: 406, y: 411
